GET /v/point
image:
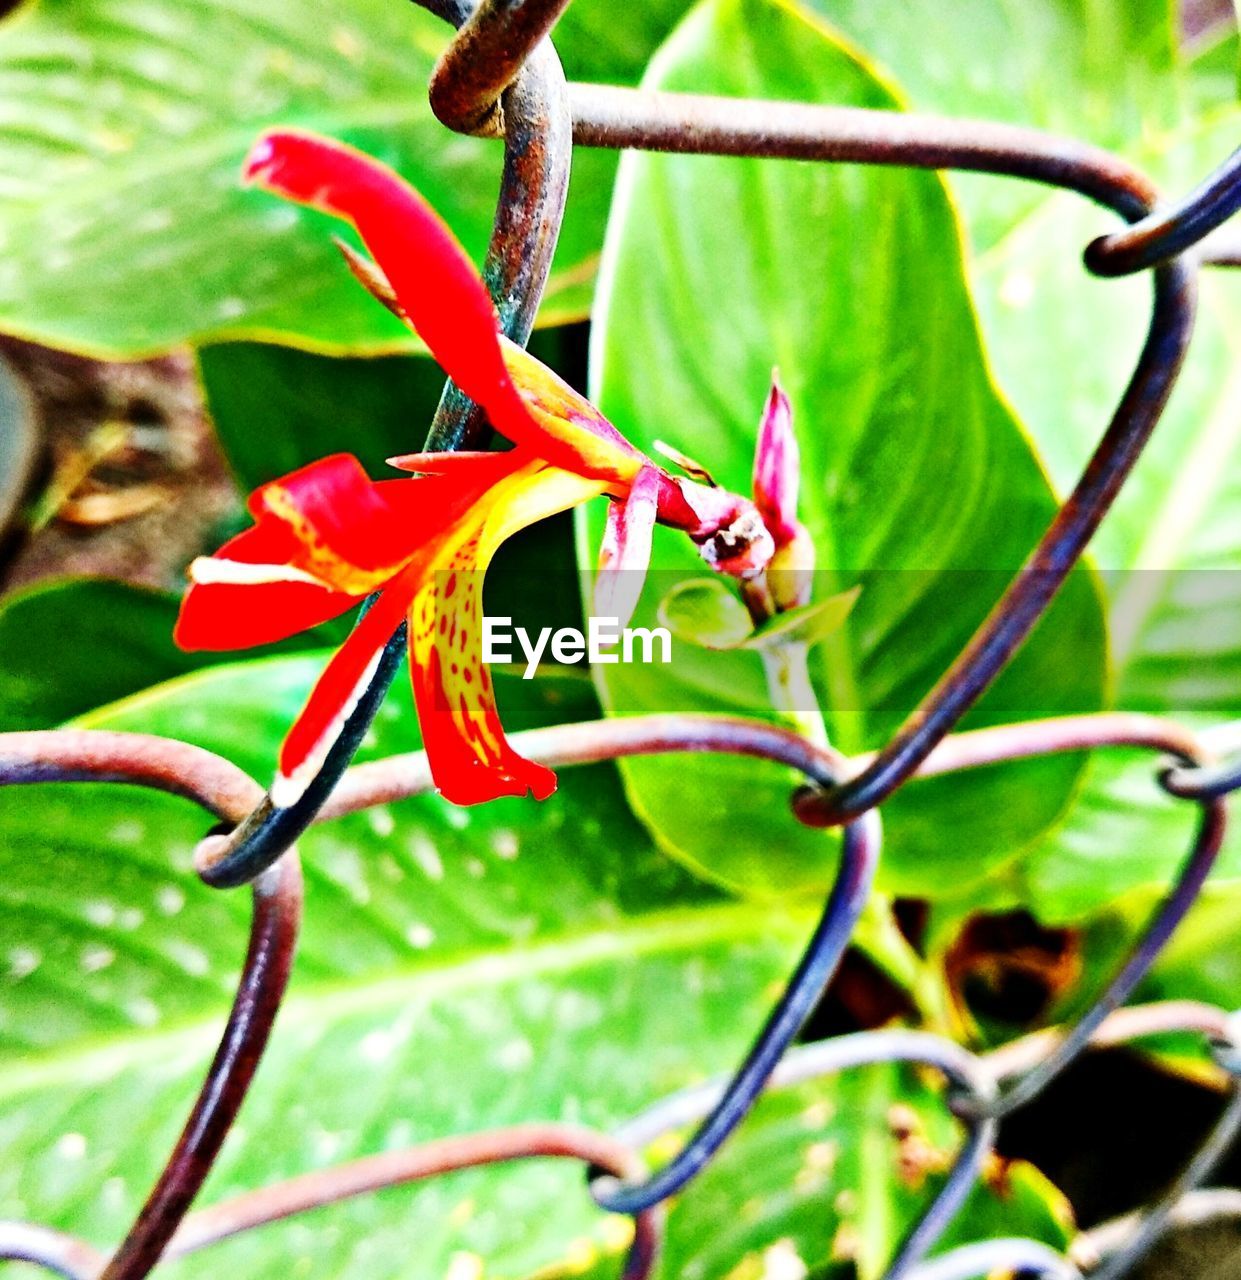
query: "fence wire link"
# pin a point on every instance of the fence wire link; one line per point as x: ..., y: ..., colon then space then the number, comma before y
x: 500, y: 77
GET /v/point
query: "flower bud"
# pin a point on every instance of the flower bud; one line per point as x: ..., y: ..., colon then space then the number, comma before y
x: 741, y: 548
x: 777, y: 467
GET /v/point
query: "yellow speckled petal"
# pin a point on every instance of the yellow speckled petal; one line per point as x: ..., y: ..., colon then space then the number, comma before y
x: 470, y: 758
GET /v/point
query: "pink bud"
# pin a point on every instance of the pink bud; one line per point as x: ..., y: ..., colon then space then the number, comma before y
x: 777, y: 467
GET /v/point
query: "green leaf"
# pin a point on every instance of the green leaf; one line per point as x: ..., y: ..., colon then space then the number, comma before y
x: 459, y: 968
x: 1116, y: 78
x: 277, y: 409
x: 1201, y: 962
x: 832, y: 1175
x: 125, y: 229
x: 918, y: 484
x: 705, y: 612
x: 811, y: 624
x: 70, y: 646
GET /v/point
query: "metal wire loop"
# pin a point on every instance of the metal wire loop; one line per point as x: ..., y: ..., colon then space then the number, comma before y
x: 858, y: 858
x: 488, y: 54
x: 1171, y: 230
x: 1202, y: 782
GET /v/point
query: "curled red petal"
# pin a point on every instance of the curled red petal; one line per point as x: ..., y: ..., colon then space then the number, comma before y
x: 224, y: 616
x: 352, y: 533
x: 337, y: 512
x: 434, y: 281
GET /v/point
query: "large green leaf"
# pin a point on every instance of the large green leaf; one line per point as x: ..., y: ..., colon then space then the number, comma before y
x: 917, y: 482
x: 277, y: 409
x: 1063, y: 345
x: 124, y: 124
x: 459, y: 969
x: 69, y: 646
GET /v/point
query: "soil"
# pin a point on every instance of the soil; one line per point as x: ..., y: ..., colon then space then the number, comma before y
x: 154, y: 500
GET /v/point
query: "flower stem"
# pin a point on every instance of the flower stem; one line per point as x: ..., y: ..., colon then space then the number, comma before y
x: 787, y: 668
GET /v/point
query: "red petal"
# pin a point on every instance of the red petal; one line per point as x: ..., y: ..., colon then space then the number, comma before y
x: 436, y: 284
x: 225, y: 616
x: 334, y: 503
x: 625, y: 554
x: 337, y: 691
x: 485, y: 493
x: 268, y: 542
x: 459, y: 773
x: 353, y: 533
x: 470, y: 758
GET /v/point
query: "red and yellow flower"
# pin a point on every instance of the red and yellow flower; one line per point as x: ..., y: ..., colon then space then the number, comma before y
x: 327, y: 537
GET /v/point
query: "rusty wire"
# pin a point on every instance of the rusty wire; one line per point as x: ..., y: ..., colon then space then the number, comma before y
x: 76, y: 755
x: 1172, y: 230
x: 500, y: 77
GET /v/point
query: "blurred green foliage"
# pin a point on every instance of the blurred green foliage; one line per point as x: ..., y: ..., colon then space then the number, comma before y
x: 125, y: 228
